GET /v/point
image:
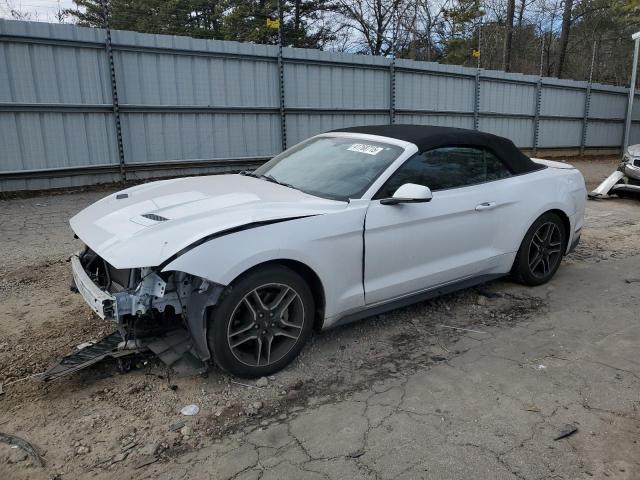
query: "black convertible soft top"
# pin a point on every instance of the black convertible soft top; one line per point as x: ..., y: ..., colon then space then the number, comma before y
x: 427, y: 137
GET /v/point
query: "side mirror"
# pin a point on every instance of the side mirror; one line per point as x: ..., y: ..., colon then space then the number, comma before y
x: 409, y: 193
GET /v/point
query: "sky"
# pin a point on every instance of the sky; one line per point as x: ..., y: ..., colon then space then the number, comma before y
x: 39, y: 10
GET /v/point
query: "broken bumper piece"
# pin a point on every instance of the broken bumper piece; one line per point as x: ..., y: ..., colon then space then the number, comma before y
x: 174, y: 349
x: 87, y: 356
x: 622, y: 182
x: 103, y: 303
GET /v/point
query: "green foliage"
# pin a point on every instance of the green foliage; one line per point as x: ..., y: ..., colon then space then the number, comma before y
x: 195, y: 18
x: 444, y: 31
x: 241, y: 20
x: 463, y: 19
x: 463, y: 15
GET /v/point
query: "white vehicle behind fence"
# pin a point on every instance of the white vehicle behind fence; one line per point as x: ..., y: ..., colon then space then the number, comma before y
x: 625, y: 180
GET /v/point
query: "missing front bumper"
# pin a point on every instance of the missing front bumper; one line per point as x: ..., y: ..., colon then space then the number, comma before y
x: 149, y: 313
x: 102, y: 303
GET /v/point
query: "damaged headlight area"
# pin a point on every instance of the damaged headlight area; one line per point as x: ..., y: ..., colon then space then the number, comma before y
x: 132, y: 292
x: 164, y: 312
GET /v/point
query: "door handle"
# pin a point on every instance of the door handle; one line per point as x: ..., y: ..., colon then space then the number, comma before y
x: 486, y: 206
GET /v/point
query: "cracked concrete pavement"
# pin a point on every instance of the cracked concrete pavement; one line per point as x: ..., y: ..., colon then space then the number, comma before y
x: 492, y: 411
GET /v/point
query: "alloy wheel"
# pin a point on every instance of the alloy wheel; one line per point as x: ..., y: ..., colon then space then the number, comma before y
x: 545, y: 250
x: 266, y: 324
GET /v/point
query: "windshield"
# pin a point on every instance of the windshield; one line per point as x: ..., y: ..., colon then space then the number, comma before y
x: 331, y: 167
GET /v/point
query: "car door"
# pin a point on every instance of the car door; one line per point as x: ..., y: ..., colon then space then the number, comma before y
x: 411, y: 247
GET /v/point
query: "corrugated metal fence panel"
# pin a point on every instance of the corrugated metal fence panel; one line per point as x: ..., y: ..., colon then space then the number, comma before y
x: 54, y: 74
x: 162, y: 72
x: 562, y: 109
x: 508, y: 109
x: 604, y: 134
x: 608, y: 105
x: 45, y: 140
x: 448, y: 120
x: 192, y: 100
x: 327, y: 90
x: 559, y: 133
x: 635, y: 114
x: 634, y: 134
x: 300, y: 127
x: 519, y: 130
x: 509, y: 98
x: 160, y: 137
x: 562, y: 102
x: 335, y: 81
x: 434, y: 88
x: 160, y: 77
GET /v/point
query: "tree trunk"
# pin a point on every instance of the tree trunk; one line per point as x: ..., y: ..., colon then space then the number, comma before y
x: 508, y: 37
x: 521, y: 13
x: 296, y: 16
x: 564, y: 36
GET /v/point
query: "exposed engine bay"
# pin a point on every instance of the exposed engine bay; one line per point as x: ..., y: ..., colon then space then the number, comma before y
x: 164, y: 312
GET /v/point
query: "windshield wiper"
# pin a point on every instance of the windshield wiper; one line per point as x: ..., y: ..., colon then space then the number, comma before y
x: 268, y: 178
x: 271, y: 179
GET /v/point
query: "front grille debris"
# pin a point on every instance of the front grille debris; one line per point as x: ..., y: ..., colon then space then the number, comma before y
x: 87, y: 356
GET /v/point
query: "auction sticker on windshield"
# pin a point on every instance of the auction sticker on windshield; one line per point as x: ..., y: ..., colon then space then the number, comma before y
x: 363, y: 148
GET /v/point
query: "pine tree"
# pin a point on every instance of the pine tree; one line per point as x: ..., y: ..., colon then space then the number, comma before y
x: 240, y: 20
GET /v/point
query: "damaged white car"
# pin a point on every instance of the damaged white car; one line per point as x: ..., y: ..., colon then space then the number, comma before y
x: 240, y: 269
x: 625, y: 180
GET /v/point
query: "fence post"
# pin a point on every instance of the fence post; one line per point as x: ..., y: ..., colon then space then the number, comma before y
x: 283, y: 115
x: 114, y: 91
x: 392, y: 91
x: 536, y: 118
x: 476, y: 102
x: 585, y: 119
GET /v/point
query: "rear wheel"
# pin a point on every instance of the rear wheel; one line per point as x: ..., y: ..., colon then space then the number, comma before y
x: 261, y: 322
x: 541, y: 251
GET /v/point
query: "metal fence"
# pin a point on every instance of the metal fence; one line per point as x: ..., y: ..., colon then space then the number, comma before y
x: 77, y: 108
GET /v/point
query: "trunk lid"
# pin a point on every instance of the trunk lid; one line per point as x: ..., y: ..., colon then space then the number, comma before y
x: 554, y: 164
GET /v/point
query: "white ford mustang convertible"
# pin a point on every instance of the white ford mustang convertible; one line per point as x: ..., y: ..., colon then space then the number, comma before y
x: 342, y: 226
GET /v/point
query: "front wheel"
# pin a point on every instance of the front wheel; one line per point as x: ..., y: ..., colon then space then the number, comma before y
x: 541, y: 251
x: 261, y: 322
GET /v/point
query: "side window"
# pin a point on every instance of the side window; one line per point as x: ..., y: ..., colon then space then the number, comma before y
x: 495, y: 168
x: 444, y: 168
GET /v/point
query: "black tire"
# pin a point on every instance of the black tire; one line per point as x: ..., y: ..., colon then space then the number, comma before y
x: 539, y: 257
x: 240, y: 316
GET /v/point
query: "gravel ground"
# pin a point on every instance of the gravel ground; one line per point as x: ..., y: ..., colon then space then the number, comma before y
x: 472, y: 385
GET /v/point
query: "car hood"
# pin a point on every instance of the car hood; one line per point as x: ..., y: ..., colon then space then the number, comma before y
x: 634, y: 150
x: 145, y: 225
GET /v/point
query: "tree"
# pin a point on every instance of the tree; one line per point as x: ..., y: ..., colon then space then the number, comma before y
x: 14, y: 11
x: 425, y: 29
x: 195, y: 18
x: 564, y: 36
x: 241, y: 20
x: 508, y: 37
x: 461, y: 24
x: 528, y: 36
x: 375, y: 23
x: 303, y: 26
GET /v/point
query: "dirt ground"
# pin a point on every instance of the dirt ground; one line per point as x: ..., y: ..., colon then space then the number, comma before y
x: 472, y: 385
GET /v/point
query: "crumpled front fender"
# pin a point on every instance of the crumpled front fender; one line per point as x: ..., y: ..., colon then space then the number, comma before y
x: 196, y: 316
